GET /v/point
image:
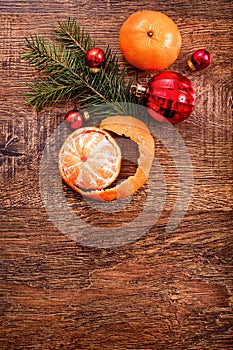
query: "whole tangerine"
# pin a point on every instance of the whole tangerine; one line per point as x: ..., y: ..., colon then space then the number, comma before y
x: 150, y: 40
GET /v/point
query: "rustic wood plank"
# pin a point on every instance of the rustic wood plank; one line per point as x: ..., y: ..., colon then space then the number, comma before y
x: 190, y: 302
x: 164, y: 290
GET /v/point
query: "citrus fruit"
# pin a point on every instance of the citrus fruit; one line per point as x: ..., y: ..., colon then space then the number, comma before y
x: 128, y: 126
x: 150, y: 40
x: 90, y: 159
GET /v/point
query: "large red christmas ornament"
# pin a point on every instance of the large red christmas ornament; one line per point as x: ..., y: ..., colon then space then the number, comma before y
x: 199, y: 60
x: 74, y: 119
x: 94, y: 58
x: 171, y: 95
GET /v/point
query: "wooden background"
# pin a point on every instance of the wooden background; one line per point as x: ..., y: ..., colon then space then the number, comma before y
x: 163, y: 291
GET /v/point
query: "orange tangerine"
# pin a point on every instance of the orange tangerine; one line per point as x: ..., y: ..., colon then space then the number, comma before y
x: 150, y: 40
x: 90, y: 159
x: 73, y: 154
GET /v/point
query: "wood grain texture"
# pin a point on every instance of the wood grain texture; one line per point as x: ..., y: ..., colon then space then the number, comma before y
x: 163, y: 291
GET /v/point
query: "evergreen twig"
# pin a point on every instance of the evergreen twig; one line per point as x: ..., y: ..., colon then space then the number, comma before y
x: 65, y: 74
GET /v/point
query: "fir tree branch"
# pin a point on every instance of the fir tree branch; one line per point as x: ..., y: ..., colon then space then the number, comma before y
x: 46, y: 92
x: 66, y: 74
x: 60, y: 66
x: 73, y: 36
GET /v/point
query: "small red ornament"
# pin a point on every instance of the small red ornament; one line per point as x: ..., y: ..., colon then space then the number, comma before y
x: 171, y: 95
x: 199, y: 60
x: 74, y: 119
x: 94, y: 59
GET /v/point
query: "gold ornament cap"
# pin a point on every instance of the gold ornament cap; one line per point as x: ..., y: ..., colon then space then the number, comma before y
x: 138, y: 90
x: 191, y: 65
x: 94, y: 70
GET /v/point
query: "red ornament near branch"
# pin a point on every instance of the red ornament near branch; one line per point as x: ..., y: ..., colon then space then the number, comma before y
x: 169, y: 96
x: 74, y: 119
x: 94, y: 58
x: 199, y: 60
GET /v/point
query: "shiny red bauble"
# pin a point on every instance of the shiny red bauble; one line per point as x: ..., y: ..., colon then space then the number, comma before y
x: 170, y: 97
x: 199, y: 60
x: 94, y: 58
x: 74, y: 119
